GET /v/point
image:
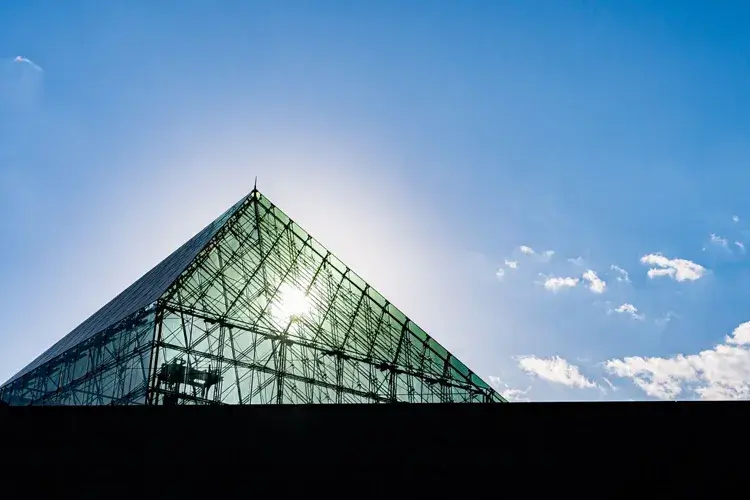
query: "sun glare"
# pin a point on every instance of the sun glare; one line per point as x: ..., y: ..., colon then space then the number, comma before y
x: 292, y: 303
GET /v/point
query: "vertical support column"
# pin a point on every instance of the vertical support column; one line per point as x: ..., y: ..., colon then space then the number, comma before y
x: 446, y: 393
x: 394, y: 362
x: 392, y: 384
x: 218, y: 387
x: 280, y: 370
x: 234, y: 365
x: 339, y: 378
x: 152, y: 396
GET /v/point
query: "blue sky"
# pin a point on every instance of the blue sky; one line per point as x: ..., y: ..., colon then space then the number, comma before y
x: 423, y: 142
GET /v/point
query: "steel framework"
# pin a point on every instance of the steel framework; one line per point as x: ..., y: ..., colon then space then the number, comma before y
x: 252, y: 310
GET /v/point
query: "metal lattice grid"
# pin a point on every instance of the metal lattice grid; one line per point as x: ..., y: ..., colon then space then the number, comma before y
x: 262, y: 314
x: 108, y: 368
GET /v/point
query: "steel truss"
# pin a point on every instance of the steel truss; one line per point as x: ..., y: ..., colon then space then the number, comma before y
x: 263, y: 315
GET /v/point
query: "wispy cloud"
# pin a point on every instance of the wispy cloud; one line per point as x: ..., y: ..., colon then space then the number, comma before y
x: 512, y: 264
x: 719, y: 373
x: 500, y: 274
x: 718, y: 241
x: 735, y: 218
x: 556, y: 283
x: 578, y: 261
x: 623, y: 277
x: 596, y: 284
x: 23, y: 60
x: 609, y: 384
x: 630, y: 310
x: 677, y: 269
x: 664, y: 320
x: 514, y: 395
x: 543, y: 256
x: 556, y: 370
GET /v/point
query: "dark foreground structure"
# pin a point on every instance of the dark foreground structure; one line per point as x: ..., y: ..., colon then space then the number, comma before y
x: 390, y: 450
x: 251, y: 311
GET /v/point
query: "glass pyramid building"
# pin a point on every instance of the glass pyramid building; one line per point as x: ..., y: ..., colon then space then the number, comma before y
x: 251, y: 310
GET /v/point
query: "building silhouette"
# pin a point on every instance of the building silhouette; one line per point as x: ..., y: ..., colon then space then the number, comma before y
x: 251, y: 310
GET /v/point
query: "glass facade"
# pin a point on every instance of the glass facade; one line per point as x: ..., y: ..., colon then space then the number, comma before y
x: 108, y: 368
x: 261, y: 314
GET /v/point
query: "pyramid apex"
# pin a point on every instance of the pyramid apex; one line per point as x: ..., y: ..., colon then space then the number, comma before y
x: 254, y: 193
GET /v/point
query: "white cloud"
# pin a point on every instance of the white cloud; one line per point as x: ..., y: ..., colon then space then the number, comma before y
x: 500, y: 273
x: 510, y: 394
x: 596, y: 284
x: 629, y: 309
x: 740, y: 245
x: 624, y: 277
x: 740, y: 335
x: 735, y: 218
x: 515, y: 395
x: 578, y: 261
x: 655, y: 273
x: 677, y: 269
x: 512, y: 264
x: 556, y: 370
x: 556, y: 284
x: 719, y: 373
x: 543, y: 256
x: 719, y: 241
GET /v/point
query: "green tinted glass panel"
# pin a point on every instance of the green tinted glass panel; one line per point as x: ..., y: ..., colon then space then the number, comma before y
x: 109, y: 368
x: 357, y: 281
x: 378, y: 299
x: 438, y: 349
x: 418, y: 332
x: 460, y: 367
